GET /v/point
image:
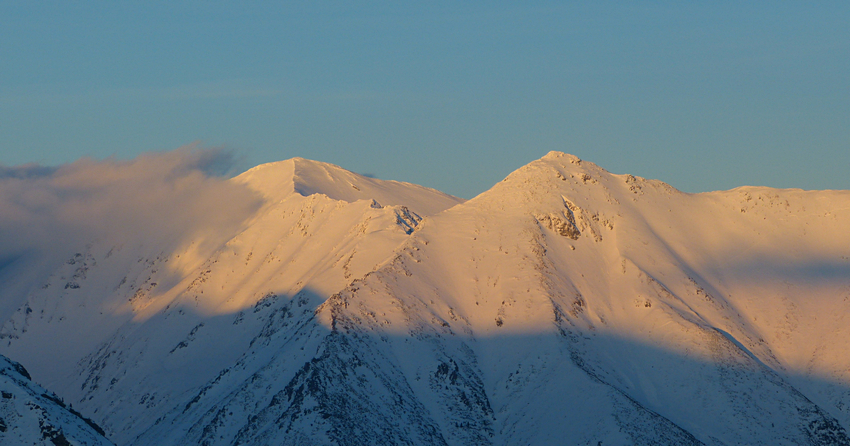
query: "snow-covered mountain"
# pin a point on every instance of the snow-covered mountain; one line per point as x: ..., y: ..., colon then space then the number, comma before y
x: 31, y: 415
x: 565, y: 305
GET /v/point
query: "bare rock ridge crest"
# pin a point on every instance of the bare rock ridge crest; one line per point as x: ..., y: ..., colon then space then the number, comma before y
x: 565, y: 305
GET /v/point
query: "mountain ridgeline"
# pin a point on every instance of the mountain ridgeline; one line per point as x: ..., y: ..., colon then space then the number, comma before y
x: 565, y: 305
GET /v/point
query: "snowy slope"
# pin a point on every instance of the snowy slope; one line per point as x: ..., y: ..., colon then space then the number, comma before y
x: 580, y: 293
x: 305, y: 177
x: 147, y: 325
x: 565, y: 305
x: 30, y: 415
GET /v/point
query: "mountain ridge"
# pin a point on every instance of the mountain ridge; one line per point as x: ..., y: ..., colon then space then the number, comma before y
x: 306, y: 177
x: 564, y: 296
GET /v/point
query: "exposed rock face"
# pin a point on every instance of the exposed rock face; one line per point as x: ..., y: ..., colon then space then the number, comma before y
x: 563, y: 223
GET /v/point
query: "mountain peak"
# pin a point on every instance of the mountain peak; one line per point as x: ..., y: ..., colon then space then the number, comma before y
x: 572, y: 176
x: 300, y: 176
x: 554, y: 154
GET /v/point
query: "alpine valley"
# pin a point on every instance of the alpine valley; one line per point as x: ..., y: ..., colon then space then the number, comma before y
x: 565, y: 305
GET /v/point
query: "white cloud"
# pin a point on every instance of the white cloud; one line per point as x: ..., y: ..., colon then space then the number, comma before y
x: 176, y: 196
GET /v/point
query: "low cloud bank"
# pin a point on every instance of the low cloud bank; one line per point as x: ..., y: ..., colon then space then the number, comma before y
x: 166, y: 197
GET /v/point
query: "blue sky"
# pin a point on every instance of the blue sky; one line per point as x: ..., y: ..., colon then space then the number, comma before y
x: 452, y: 95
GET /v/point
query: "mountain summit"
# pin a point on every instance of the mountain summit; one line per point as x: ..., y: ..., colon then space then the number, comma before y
x: 564, y: 305
x: 305, y: 177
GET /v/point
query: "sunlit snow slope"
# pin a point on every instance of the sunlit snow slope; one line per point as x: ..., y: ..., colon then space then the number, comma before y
x: 145, y: 326
x: 566, y: 305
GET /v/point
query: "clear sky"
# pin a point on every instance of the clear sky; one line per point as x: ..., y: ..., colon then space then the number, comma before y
x: 452, y: 95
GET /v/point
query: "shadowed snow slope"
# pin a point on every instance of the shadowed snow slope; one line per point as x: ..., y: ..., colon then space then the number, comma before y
x: 31, y: 415
x: 565, y: 305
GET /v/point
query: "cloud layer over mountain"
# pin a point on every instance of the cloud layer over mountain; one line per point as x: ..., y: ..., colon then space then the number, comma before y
x: 45, y: 212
